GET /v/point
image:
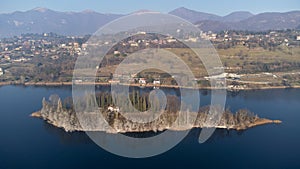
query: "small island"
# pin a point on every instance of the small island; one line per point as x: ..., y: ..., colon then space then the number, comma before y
x: 62, y: 114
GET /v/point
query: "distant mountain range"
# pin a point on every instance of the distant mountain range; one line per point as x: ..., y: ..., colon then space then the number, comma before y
x: 195, y: 16
x: 41, y: 20
x: 241, y: 20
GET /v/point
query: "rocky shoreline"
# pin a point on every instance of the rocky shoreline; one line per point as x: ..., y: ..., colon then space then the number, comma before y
x: 258, y: 122
x: 115, y: 122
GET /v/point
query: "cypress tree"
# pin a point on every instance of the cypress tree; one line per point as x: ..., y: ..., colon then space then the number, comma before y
x: 144, y: 104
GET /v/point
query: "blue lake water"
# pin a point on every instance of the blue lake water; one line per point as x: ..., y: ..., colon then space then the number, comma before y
x: 27, y: 142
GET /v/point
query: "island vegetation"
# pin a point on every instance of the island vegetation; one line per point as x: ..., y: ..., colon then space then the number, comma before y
x: 62, y: 114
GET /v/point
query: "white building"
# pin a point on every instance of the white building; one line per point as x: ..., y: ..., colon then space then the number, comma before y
x: 171, y: 40
x: 116, y: 52
x: 113, y: 109
x: 156, y: 82
x: 134, y: 44
x: 141, y: 32
x: 142, y: 81
x: 1, y: 71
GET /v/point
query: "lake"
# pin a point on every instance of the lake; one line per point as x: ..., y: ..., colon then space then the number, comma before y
x: 28, y: 142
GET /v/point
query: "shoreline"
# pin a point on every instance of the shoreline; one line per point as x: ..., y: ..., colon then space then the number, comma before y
x: 259, y: 122
x: 138, y: 85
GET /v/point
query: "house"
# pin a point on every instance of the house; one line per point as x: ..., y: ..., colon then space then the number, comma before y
x: 6, y: 57
x: 171, y: 40
x: 191, y: 39
x: 141, y: 32
x: 116, y: 52
x: 156, y: 82
x: 142, y: 81
x: 1, y: 71
x: 78, y: 81
x: 113, y: 109
x: 134, y: 44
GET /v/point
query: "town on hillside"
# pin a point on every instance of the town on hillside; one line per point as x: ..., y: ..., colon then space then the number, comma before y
x: 250, y: 59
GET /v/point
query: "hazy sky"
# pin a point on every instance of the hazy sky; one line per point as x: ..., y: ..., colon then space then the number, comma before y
x: 220, y: 7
